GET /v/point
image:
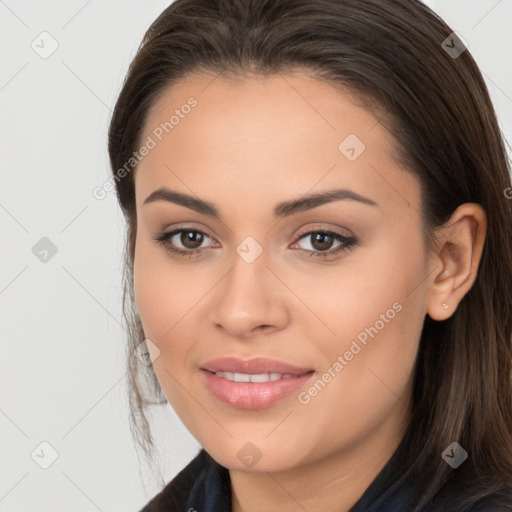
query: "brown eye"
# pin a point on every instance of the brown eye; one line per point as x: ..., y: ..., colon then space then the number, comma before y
x: 324, y: 243
x: 321, y: 241
x: 184, y: 243
x: 191, y: 239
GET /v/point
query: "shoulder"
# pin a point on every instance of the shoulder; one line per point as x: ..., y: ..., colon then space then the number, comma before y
x: 456, y: 494
x: 203, y: 482
x: 493, y: 503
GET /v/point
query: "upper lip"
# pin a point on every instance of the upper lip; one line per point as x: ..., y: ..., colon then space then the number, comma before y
x: 254, y: 366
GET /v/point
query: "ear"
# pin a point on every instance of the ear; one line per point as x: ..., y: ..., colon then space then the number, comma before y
x: 454, y: 261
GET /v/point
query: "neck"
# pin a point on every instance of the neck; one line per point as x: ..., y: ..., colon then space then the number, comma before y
x: 336, y: 481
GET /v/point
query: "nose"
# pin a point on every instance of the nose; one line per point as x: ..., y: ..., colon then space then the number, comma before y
x: 250, y: 300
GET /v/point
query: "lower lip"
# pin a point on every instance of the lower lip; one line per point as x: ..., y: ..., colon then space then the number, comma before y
x: 253, y: 395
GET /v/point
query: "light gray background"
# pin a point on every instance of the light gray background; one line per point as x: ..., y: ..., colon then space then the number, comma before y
x: 62, y: 371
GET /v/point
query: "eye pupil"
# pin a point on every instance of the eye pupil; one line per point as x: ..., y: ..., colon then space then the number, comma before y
x: 322, y: 241
x: 191, y: 239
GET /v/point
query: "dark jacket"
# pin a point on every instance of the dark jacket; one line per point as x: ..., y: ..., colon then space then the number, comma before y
x: 204, y: 486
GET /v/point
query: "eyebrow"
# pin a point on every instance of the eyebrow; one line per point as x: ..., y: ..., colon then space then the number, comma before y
x: 284, y: 209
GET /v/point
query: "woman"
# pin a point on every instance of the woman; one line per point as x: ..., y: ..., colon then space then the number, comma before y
x: 318, y: 257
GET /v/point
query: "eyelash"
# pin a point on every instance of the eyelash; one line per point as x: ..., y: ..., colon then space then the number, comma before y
x: 347, y: 243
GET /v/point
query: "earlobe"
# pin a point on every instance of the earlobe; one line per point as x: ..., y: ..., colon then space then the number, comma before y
x: 455, y: 260
x: 440, y: 312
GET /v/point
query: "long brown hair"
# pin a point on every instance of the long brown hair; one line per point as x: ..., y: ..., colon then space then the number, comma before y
x: 391, y: 56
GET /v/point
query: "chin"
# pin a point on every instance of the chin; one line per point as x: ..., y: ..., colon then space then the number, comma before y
x: 254, y: 458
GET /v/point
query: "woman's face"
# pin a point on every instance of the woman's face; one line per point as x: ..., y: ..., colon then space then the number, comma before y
x: 335, y: 288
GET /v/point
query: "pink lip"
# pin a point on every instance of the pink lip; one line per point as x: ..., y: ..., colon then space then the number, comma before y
x: 253, y: 395
x: 252, y: 366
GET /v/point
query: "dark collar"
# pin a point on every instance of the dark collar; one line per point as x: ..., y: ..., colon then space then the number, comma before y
x: 204, y: 485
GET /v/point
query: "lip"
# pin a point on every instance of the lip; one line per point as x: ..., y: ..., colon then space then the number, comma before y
x: 253, y: 366
x: 253, y: 395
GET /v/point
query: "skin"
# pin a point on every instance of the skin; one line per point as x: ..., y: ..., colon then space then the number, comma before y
x: 248, y: 145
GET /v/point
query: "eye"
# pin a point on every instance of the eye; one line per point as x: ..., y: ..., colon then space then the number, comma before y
x: 183, y: 242
x: 321, y: 243
x: 189, y: 242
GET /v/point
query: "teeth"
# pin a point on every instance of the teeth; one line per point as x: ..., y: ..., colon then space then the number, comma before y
x: 262, y: 377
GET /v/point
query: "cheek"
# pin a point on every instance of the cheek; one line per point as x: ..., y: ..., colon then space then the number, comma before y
x: 374, y: 309
x: 162, y: 300
x: 162, y: 296
x: 350, y: 297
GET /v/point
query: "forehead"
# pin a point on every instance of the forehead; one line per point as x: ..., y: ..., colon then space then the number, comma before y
x: 290, y: 105
x: 263, y: 131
